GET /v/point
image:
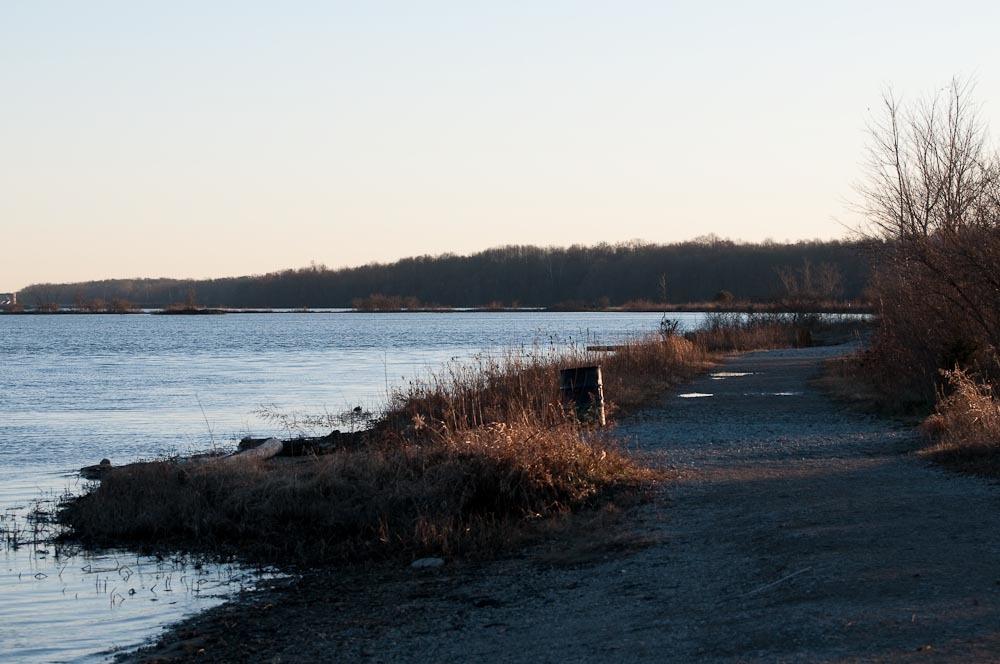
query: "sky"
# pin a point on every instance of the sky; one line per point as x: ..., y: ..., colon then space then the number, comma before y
x: 199, y: 139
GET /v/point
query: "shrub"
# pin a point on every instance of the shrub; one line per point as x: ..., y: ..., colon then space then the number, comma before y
x: 741, y: 332
x: 120, y: 306
x: 448, y: 494
x: 933, y: 201
x: 965, y: 426
x: 968, y: 414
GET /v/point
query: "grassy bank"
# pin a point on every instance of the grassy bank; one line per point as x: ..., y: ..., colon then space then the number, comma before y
x: 462, y: 463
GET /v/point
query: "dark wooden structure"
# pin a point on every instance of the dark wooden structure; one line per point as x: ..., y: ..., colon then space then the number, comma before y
x: 584, y: 389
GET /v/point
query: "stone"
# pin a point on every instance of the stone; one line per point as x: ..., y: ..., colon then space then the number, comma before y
x: 427, y: 563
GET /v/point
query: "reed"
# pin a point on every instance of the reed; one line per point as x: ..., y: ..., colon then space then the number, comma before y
x: 726, y: 332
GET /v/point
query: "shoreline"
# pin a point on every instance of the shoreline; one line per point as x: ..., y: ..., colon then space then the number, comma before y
x: 394, y: 567
x: 454, y: 465
x: 622, y: 572
x: 752, y: 308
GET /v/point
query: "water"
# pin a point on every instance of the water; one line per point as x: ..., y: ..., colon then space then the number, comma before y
x: 76, y: 389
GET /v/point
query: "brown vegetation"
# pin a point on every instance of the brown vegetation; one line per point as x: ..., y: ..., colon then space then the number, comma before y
x: 724, y: 332
x: 733, y: 332
x: 444, y: 494
x: 377, y: 302
x: 965, y: 427
x: 116, y: 305
x: 456, y: 463
x: 725, y: 302
x: 933, y: 201
x: 460, y: 463
x: 524, y: 386
x: 120, y: 305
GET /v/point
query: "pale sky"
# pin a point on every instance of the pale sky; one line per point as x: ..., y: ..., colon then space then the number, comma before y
x: 202, y: 138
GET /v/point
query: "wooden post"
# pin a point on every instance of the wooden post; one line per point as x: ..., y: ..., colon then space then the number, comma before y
x: 584, y: 387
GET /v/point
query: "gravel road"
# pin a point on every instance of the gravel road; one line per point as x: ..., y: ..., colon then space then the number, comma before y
x: 793, y: 530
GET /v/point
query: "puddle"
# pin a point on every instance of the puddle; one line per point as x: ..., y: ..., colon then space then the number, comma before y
x: 722, y: 375
x: 694, y: 395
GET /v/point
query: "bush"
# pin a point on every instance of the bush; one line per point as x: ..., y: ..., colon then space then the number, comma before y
x: 933, y: 201
x: 447, y: 494
x: 965, y: 427
x: 724, y: 332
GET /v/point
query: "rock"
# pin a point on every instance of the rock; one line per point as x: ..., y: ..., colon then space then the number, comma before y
x: 265, y: 450
x: 96, y: 471
x: 248, y: 443
x: 427, y: 563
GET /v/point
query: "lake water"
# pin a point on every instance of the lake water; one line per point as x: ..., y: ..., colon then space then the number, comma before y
x: 78, y: 388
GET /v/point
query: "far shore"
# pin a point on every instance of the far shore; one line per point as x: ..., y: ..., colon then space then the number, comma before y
x: 666, y: 308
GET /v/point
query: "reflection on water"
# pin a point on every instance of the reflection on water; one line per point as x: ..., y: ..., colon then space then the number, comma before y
x: 59, y: 603
x: 722, y: 375
x: 76, y: 389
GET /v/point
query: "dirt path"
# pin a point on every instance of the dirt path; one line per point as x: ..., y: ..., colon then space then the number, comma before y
x: 796, y: 530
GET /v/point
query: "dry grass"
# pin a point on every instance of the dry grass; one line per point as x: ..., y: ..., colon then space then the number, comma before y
x: 523, y: 387
x: 741, y: 332
x: 965, y: 428
x: 465, y: 462
x: 449, y: 495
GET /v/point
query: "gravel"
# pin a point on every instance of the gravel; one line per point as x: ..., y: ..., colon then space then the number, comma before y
x: 791, y: 529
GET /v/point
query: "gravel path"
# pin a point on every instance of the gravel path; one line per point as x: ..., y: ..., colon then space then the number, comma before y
x: 794, y: 530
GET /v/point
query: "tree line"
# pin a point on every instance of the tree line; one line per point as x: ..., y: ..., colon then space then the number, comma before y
x: 700, y: 270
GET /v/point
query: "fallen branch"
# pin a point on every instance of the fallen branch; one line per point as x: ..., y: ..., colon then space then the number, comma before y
x: 772, y: 584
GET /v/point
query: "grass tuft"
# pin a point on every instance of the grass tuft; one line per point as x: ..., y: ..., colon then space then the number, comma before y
x: 965, y: 427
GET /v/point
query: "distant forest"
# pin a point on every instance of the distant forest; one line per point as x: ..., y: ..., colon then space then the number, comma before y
x: 598, y: 276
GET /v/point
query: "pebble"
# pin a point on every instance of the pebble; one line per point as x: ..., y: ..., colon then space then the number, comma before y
x: 425, y: 563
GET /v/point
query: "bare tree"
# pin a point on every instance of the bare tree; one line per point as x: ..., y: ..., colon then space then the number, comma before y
x: 932, y: 198
x: 807, y: 285
x: 662, y: 286
x: 929, y: 167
